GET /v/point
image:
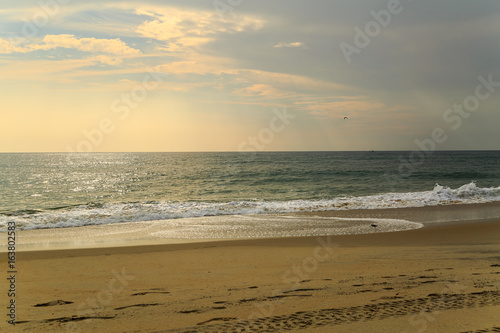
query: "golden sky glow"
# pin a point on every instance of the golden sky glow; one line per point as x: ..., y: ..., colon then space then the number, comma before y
x: 184, y: 76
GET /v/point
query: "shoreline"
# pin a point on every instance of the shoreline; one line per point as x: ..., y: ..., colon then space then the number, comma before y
x: 470, y: 232
x: 145, y: 233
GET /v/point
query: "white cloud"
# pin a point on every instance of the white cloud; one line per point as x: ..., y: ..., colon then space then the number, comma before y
x: 112, y: 61
x: 7, y: 47
x: 182, y: 31
x: 294, y: 44
x: 94, y: 45
x: 109, y: 51
x: 187, y: 28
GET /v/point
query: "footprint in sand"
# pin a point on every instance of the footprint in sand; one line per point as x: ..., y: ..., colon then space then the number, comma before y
x: 328, y: 317
x: 150, y: 292
x: 136, y: 305
x: 52, y: 303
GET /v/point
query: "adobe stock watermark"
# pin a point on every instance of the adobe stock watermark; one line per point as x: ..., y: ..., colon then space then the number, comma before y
x: 292, y: 277
x: 363, y: 37
x: 48, y: 9
x: 121, y: 108
x: 223, y: 6
x: 94, y: 305
x: 454, y: 117
x: 277, y: 124
x: 266, y: 135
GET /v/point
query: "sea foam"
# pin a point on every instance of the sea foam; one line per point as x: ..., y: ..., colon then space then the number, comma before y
x: 110, y: 213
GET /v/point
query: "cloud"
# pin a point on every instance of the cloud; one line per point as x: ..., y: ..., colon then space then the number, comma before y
x: 263, y: 90
x: 105, y: 47
x: 191, y: 67
x: 188, y: 28
x: 363, y: 112
x: 290, y: 81
x: 344, y: 107
x: 39, y: 70
x: 294, y: 44
x: 112, y: 61
x: 7, y: 47
x: 94, y: 45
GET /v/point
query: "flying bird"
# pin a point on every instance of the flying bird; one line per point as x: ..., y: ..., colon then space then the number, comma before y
x: 346, y: 118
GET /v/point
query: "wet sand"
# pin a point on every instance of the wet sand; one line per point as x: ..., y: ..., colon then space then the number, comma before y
x: 441, y: 278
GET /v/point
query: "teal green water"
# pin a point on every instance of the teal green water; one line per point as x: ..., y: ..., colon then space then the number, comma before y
x: 57, y: 190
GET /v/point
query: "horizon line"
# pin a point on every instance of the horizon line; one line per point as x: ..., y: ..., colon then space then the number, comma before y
x: 236, y: 151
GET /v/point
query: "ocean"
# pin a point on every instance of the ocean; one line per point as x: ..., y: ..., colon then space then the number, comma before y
x: 58, y: 190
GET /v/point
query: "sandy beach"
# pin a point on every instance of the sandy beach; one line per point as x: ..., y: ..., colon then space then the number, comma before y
x: 232, y: 166
x: 440, y: 278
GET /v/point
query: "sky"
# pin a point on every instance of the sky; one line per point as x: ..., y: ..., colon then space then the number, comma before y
x: 249, y: 75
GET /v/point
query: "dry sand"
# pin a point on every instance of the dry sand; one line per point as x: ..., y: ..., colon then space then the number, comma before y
x: 443, y: 278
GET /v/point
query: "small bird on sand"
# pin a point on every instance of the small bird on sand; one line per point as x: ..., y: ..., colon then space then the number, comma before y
x: 373, y: 225
x: 346, y: 118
